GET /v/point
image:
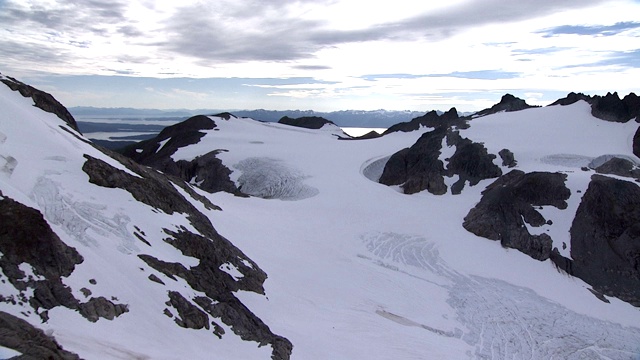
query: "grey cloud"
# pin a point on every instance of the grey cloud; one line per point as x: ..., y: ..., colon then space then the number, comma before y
x: 213, y: 37
x: 312, y: 67
x: 20, y: 52
x: 79, y: 17
x: 206, y: 34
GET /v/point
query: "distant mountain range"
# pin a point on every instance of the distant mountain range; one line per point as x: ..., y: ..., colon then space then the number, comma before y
x: 344, y: 118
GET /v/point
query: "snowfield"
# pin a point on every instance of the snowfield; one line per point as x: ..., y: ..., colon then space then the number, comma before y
x: 356, y: 270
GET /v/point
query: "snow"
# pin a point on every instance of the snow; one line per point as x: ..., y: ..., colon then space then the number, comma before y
x: 6, y: 353
x: 356, y: 270
x: 162, y: 143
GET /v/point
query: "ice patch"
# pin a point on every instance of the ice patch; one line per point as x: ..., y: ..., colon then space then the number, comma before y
x: 600, y: 160
x: 81, y: 219
x: 373, y: 169
x: 231, y: 270
x: 6, y: 353
x: 501, y: 320
x: 271, y: 179
x: 568, y: 160
x: 162, y: 144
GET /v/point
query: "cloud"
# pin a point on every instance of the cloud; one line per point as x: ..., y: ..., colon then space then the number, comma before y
x: 311, y: 67
x: 593, y: 30
x: 258, y: 32
x: 477, y: 74
x: 71, y: 16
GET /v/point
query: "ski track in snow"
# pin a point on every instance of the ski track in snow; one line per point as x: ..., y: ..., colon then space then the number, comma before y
x: 80, y: 219
x: 501, y: 320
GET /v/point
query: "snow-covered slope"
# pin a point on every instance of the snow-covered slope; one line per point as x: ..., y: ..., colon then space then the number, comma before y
x: 110, y: 258
x: 359, y: 270
x: 356, y: 269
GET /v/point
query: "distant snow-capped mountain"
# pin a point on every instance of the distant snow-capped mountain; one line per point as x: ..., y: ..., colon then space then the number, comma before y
x: 506, y: 234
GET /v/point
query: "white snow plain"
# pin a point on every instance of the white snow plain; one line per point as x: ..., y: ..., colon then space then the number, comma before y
x: 356, y: 271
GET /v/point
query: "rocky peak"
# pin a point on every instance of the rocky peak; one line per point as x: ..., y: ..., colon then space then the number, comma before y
x: 507, y: 103
x: 430, y: 119
x: 41, y: 100
x: 308, y: 122
x: 611, y: 108
x: 572, y: 98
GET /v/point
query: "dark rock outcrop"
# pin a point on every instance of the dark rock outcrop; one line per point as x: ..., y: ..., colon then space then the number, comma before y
x: 32, y: 342
x: 472, y: 163
x: 419, y: 167
x: 636, y: 143
x: 430, y: 119
x: 605, y: 239
x: 509, y: 202
x: 507, y: 103
x: 26, y: 237
x: 189, y: 315
x: 42, y: 100
x: 307, y: 122
x: 611, y: 108
x: 207, y: 171
x: 619, y: 166
x: 212, y: 249
x: 572, y: 98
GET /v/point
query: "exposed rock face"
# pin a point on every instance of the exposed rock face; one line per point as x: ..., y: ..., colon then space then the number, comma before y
x: 26, y: 237
x: 472, y: 163
x: 572, y: 98
x: 207, y: 171
x: 509, y: 202
x: 605, y: 239
x: 212, y: 250
x: 611, y: 108
x: 42, y: 100
x: 370, y: 135
x: 308, y: 122
x: 636, y: 143
x: 430, y: 119
x: 32, y: 342
x: 507, y: 103
x: 419, y: 168
x: 620, y: 167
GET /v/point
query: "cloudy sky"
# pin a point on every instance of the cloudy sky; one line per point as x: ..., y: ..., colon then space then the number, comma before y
x: 320, y: 54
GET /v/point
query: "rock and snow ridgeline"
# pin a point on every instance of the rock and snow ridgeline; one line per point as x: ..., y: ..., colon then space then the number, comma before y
x: 124, y: 247
x: 103, y: 237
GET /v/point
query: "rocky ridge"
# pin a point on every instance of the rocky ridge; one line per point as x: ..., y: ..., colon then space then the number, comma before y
x: 38, y: 257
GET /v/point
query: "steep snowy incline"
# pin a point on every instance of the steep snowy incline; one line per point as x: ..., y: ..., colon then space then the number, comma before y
x: 359, y: 270
x: 111, y: 258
